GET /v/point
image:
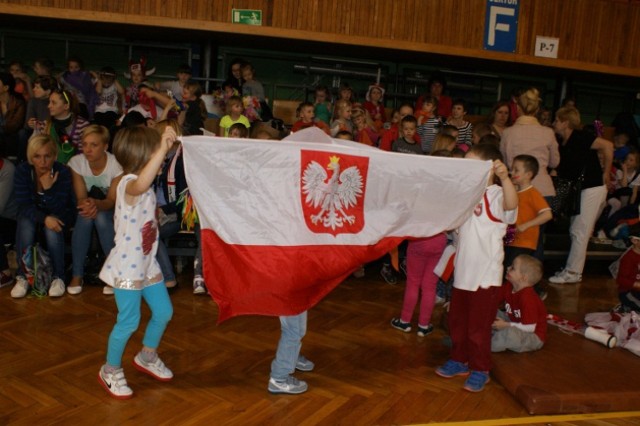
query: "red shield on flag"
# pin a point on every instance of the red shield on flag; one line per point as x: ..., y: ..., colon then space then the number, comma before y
x: 332, y: 190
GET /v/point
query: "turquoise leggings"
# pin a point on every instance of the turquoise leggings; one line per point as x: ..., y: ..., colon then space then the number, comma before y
x: 128, y: 302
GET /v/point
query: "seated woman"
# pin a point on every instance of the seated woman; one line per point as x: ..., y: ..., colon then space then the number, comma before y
x: 44, y: 196
x: 95, y: 174
x: 499, y: 118
x: 12, y: 111
x: 7, y: 218
x: 65, y: 126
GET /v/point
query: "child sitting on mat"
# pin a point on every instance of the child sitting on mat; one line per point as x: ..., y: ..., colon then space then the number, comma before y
x: 522, y: 327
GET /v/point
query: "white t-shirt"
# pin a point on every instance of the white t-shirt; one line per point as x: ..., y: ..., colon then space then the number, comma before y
x: 132, y: 264
x: 80, y: 165
x: 174, y: 87
x: 478, y: 262
x: 108, y: 99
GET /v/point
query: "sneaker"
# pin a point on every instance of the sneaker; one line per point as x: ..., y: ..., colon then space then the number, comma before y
x: 389, y: 274
x: 20, y: 288
x: 565, y: 277
x: 57, y: 288
x: 199, y: 286
x: 476, y: 381
x: 107, y: 290
x: 5, y: 279
x: 621, y: 309
x: 425, y: 331
x: 358, y: 273
x: 398, y: 324
x: 451, y: 369
x: 155, y: 369
x: 115, y: 383
x: 75, y: 286
x: 620, y: 232
x: 290, y: 385
x: 303, y: 364
x: 619, y: 244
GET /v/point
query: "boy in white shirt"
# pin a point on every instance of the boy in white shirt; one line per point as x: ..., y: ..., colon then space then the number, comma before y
x: 478, y: 275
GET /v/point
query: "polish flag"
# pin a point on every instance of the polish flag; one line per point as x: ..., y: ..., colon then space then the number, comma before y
x: 284, y: 222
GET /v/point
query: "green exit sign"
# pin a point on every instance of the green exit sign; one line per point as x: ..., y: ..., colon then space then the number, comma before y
x: 246, y: 16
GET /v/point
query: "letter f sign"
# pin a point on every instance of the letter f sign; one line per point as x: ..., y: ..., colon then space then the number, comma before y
x: 494, y: 25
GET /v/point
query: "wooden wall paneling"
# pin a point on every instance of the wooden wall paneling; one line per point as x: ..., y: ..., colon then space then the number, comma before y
x: 598, y: 35
x: 631, y: 41
x: 303, y: 16
x: 276, y: 16
x: 292, y: 16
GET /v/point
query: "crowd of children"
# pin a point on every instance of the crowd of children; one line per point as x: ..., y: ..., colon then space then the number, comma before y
x: 131, y: 195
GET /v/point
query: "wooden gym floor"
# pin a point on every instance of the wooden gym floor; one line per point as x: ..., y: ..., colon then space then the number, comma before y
x: 366, y: 372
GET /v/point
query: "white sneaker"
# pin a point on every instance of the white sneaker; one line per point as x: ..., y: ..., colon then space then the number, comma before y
x: 290, y: 385
x: 75, y: 289
x: 115, y: 383
x: 57, y: 288
x: 565, y: 277
x: 199, y: 286
x: 155, y: 369
x: 20, y: 288
x: 107, y: 289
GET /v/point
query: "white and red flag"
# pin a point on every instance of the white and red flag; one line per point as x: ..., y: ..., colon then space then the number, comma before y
x: 284, y: 222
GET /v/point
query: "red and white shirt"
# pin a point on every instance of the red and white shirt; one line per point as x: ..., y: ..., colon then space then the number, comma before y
x: 478, y: 262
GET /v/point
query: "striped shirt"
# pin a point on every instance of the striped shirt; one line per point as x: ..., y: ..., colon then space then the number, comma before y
x: 427, y: 132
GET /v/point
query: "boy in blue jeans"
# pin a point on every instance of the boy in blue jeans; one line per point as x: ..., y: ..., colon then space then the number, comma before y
x: 288, y: 358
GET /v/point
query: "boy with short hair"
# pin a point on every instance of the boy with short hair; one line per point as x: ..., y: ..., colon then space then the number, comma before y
x: 478, y: 275
x: 306, y: 118
x: 392, y: 133
x: 522, y: 327
x: 175, y: 87
x: 406, y: 143
x: 533, y: 209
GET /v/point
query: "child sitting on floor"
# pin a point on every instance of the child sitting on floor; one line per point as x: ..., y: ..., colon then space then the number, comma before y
x: 522, y: 327
x: 628, y: 278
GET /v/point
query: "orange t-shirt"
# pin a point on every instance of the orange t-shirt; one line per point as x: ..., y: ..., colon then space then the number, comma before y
x: 530, y: 204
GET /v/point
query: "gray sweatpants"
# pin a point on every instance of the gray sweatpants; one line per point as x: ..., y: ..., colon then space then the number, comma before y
x: 513, y: 339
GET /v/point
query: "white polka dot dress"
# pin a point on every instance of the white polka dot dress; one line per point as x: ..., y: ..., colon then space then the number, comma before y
x: 132, y: 262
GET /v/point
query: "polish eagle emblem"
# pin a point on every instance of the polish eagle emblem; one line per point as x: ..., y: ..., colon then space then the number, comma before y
x: 330, y: 193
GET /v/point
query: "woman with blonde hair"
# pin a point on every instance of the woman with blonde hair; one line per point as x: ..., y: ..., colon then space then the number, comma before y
x: 95, y: 174
x: 579, y: 152
x: 43, y: 192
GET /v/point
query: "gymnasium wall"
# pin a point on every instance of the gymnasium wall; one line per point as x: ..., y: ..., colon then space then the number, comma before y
x: 594, y: 35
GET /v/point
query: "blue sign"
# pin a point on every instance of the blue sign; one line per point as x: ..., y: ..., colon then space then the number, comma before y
x: 501, y: 25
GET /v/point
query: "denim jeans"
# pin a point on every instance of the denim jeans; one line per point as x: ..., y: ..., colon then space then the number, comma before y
x: 26, y: 236
x: 128, y: 302
x: 162, y: 256
x: 293, y: 328
x: 81, y: 238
